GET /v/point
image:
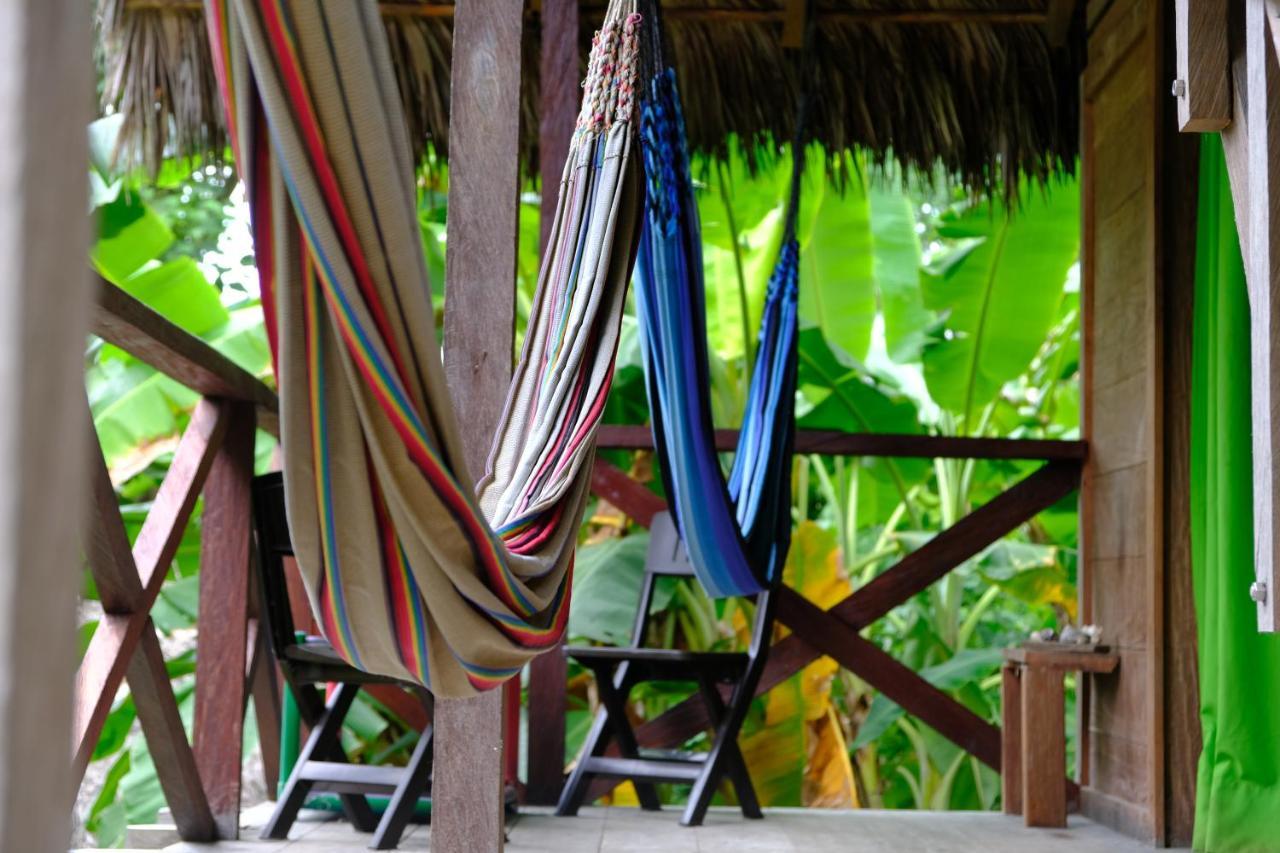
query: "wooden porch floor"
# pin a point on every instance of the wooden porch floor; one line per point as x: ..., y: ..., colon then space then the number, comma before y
x: 604, y: 830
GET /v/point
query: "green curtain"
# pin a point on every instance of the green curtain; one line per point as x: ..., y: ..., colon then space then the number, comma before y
x: 1238, y: 785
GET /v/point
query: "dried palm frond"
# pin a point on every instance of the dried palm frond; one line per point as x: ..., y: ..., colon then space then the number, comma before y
x: 981, y: 101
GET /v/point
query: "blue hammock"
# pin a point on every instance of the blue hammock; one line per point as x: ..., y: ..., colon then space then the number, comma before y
x: 737, y: 533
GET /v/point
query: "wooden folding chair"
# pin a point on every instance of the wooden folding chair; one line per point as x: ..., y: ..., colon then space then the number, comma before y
x: 618, y: 670
x: 308, y: 663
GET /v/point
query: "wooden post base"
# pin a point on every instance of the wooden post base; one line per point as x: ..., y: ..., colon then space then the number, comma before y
x: 1033, y: 749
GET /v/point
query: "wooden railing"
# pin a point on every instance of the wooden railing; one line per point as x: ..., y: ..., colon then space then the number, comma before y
x: 201, y: 781
x: 834, y: 632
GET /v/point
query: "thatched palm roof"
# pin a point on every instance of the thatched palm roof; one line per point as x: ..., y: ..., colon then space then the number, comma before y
x: 977, y: 87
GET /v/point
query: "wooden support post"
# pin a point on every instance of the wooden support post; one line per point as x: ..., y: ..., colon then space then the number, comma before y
x: 46, y: 93
x: 561, y: 92
x: 479, y: 321
x: 1058, y: 21
x: 1011, y: 739
x: 1044, y: 787
x: 223, y: 620
x: 1203, y: 84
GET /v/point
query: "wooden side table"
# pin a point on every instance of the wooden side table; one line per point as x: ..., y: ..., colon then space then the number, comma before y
x: 1033, y: 754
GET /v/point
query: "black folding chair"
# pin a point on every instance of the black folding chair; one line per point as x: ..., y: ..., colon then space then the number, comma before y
x: 617, y: 670
x: 308, y: 661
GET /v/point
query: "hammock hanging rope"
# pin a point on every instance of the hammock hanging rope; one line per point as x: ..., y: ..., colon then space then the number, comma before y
x: 411, y: 572
x: 737, y: 532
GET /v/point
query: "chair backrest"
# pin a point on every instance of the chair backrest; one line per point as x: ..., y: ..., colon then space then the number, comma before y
x: 667, y: 557
x: 271, y: 530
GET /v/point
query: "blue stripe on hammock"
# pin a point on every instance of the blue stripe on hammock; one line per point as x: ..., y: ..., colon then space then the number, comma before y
x: 737, y: 533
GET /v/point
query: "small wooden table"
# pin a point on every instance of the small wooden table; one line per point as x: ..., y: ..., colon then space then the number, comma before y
x: 1033, y: 753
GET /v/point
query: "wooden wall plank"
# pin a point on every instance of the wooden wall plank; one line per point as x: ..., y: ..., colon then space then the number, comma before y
x: 1203, y: 83
x: 841, y: 443
x: 1262, y: 269
x: 46, y: 92
x: 479, y: 333
x: 223, y: 620
x: 1122, y: 503
x: 1179, y: 180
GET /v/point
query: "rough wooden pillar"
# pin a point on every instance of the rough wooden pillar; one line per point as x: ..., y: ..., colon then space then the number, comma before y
x: 221, y: 683
x: 479, y: 323
x: 548, y: 703
x: 46, y: 93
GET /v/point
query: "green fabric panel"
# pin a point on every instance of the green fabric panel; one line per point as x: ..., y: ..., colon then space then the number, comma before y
x: 1238, y: 784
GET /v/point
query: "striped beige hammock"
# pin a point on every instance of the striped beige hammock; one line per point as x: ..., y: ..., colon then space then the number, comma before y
x: 412, y: 573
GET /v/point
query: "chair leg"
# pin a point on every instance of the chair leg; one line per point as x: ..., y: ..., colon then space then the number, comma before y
x: 735, y: 766
x: 575, y: 789
x: 613, y: 694
x: 725, y: 754
x: 416, y: 779
x: 325, y: 730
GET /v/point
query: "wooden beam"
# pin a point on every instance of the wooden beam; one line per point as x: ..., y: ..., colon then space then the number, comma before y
x: 223, y: 620
x: 171, y: 752
x: 558, y: 74
x: 912, y: 574
x: 834, y: 637
x: 794, y: 23
x: 1262, y: 269
x: 113, y: 644
x: 1057, y: 25
x: 121, y: 594
x: 559, y: 77
x: 1014, y: 15
x: 264, y: 687
x: 125, y: 322
x: 1203, y: 84
x: 265, y: 681
x: 46, y: 85
x: 920, y: 569
x: 633, y: 498
x: 902, y: 445
x: 479, y: 324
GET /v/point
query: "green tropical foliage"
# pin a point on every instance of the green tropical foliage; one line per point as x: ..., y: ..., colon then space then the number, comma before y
x: 924, y: 311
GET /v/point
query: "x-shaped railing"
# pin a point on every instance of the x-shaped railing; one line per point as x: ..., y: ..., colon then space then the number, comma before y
x: 836, y: 632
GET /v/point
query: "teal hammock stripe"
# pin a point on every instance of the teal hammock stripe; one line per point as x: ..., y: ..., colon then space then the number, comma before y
x: 737, y: 532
